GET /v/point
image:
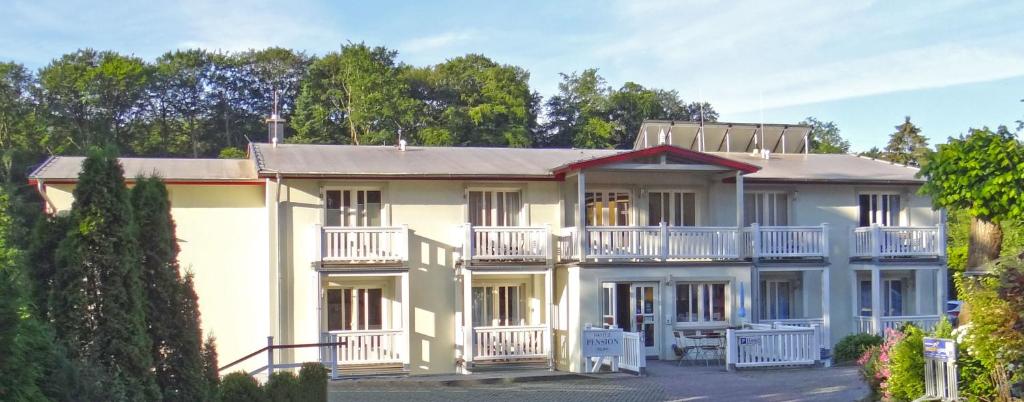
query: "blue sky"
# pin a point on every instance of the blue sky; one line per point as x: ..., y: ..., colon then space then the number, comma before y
x: 949, y: 64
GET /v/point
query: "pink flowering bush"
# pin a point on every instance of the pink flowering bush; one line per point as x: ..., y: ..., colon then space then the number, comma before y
x: 876, y: 364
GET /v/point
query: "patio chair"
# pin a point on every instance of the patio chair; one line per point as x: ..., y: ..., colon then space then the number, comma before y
x: 686, y: 345
x: 712, y: 345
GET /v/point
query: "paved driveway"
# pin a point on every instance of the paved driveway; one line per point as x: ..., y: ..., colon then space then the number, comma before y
x: 664, y: 382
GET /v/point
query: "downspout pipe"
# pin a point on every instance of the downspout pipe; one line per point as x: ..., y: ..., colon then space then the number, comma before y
x: 41, y: 188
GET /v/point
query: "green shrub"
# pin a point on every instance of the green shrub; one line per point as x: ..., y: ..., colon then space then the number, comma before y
x: 312, y: 383
x: 852, y: 347
x: 240, y: 387
x: 906, y: 366
x: 869, y: 366
x: 283, y: 386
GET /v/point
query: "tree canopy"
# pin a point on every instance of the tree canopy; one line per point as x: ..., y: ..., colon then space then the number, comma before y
x: 907, y: 145
x: 825, y: 138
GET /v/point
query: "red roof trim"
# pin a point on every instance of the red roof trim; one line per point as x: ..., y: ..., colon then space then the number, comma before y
x: 34, y: 182
x: 658, y: 150
x: 418, y: 177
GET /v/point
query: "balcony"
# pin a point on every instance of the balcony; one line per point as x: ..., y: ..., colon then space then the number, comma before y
x: 898, y: 242
x: 867, y: 324
x: 785, y: 242
x: 506, y: 243
x: 652, y: 243
x: 362, y: 245
x: 510, y: 342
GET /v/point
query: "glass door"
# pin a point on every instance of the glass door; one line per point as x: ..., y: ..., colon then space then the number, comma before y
x: 644, y: 301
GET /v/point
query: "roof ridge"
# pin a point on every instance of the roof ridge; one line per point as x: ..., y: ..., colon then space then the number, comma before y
x: 42, y: 168
x: 257, y: 157
x: 887, y: 162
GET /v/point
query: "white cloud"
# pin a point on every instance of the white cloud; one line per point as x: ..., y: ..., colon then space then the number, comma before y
x: 233, y: 25
x: 437, y: 42
x: 799, y: 52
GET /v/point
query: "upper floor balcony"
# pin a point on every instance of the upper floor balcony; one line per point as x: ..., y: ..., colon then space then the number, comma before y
x: 672, y: 243
x: 882, y: 242
x: 494, y: 244
x: 362, y: 244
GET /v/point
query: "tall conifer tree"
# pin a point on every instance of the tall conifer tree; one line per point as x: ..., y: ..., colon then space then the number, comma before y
x: 172, y: 308
x: 97, y: 300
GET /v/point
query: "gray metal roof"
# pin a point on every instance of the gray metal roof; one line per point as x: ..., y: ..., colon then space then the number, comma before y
x: 303, y: 160
x: 370, y: 161
x: 170, y: 169
x: 837, y: 168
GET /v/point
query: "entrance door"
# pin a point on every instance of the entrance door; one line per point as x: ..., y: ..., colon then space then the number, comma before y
x: 645, y: 306
x: 632, y: 307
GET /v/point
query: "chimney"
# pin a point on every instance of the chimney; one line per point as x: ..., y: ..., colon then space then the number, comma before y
x: 275, y: 125
x: 275, y: 129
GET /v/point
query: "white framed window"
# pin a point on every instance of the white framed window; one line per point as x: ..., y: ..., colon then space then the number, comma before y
x: 879, y: 208
x: 495, y: 207
x: 675, y: 208
x: 608, y: 304
x: 766, y: 208
x: 777, y: 299
x: 892, y: 297
x: 353, y: 207
x: 498, y: 305
x: 608, y: 208
x: 701, y: 303
x: 354, y: 309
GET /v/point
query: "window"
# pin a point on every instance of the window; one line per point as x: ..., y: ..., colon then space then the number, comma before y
x: 776, y: 299
x: 892, y: 297
x: 494, y: 208
x: 498, y: 305
x: 607, y: 208
x: 882, y: 209
x: 352, y: 208
x: 766, y: 209
x: 699, y: 302
x: 673, y: 208
x: 354, y: 309
x: 608, y: 305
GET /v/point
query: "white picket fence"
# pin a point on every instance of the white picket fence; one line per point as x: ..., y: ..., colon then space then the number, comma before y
x: 508, y: 242
x: 362, y: 244
x: 634, y: 356
x: 771, y: 346
x: 925, y: 322
x: 898, y: 241
x: 511, y: 342
x: 824, y: 337
x: 368, y: 347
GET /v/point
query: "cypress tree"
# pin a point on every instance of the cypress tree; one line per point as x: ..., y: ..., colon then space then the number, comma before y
x: 46, y: 235
x: 97, y: 302
x: 172, y: 307
x: 210, y: 365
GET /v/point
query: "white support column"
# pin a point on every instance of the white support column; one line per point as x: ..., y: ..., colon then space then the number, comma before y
x: 919, y: 278
x: 467, y: 317
x: 581, y: 215
x: 739, y: 199
x: 406, y: 321
x: 855, y: 292
x: 941, y: 289
x: 876, y: 300
x: 549, y: 293
x: 826, y: 307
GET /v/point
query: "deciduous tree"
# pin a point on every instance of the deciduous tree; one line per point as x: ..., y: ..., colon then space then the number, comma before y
x: 825, y: 137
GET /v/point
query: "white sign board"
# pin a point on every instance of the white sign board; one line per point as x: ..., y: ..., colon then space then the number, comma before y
x: 602, y: 342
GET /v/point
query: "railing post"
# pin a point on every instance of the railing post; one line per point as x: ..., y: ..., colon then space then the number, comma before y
x: 403, y: 250
x: 270, y: 356
x: 876, y: 241
x: 825, y: 252
x: 318, y: 243
x: 730, y: 349
x: 755, y: 238
x: 941, y: 240
x: 663, y: 227
x: 549, y: 246
x: 467, y: 243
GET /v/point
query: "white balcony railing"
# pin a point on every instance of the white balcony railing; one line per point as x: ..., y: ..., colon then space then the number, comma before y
x: 772, y: 346
x: 898, y: 241
x: 369, y: 346
x: 824, y: 336
x: 363, y: 244
x: 511, y: 342
x: 505, y: 243
x: 652, y: 243
x: 785, y: 241
x: 925, y: 322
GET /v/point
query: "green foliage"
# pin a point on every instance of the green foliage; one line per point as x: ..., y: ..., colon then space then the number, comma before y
x: 906, y: 378
x: 21, y: 131
x: 852, y: 347
x: 47, y: 233
x: 231, y: 153
x: 97, y: 302
x: 211, y: 370
x: 873, y: 153
x: 240, y: 387
x: 870, y: 367
x: 172, y: 308
x: 907, y: 145
x: 283, y: 386
x: 825, y: 138
x: 981, y: 173
x: 313, y: 383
